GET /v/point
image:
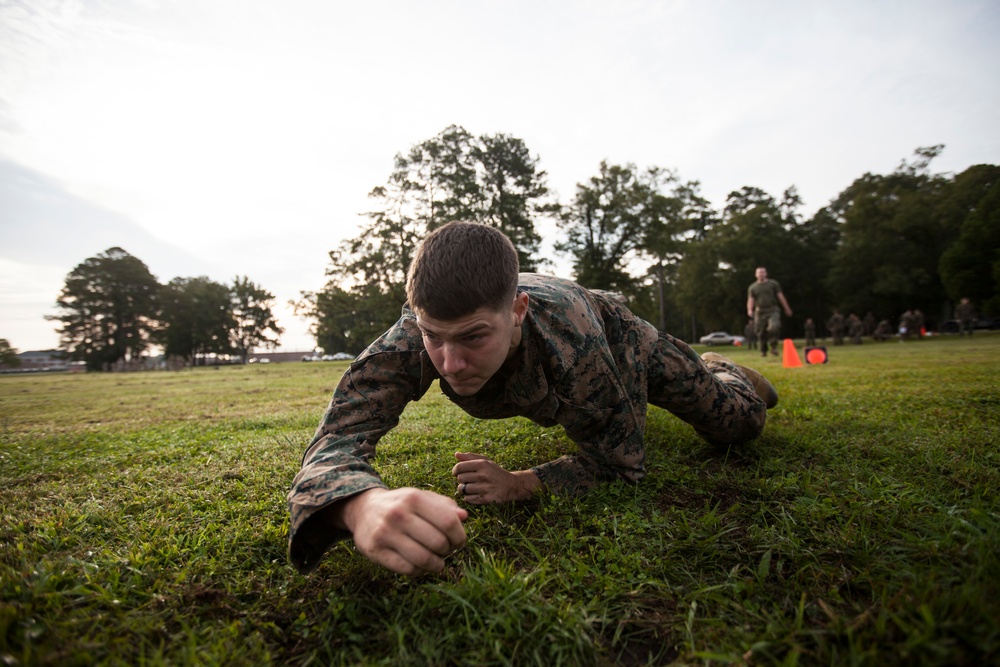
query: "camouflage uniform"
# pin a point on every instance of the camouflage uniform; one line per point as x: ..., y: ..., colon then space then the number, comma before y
x: 883, y: 331
x: 751, y: 335
x: 836, y: 326
x: 585, y: 362
x: 810, y: 329
x: 856, y: 328
x: 766, y: 313
x: 965, y: 313
x: 905, y: 325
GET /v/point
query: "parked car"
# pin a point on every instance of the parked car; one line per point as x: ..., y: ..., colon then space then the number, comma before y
x: 342, y: 356
x: 721, y: 338
x: 954, y: 326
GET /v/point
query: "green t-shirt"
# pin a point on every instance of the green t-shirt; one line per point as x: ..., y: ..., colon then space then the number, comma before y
x: 765, y: 294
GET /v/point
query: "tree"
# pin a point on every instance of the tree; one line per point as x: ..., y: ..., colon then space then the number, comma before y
x: 513, y: 192
x: 697, y: 285
x: 253, y: 319
x: 970, y: 266
x: 675, y: 222
x: 8, y: 355
x: 347, y: 321
x: 817, y: 239
x: 755, y: 230
x: 892, y: 239
x: 108, y: 309
x: 197, y: 318
x: 606, y: 225
x: 453, y: 176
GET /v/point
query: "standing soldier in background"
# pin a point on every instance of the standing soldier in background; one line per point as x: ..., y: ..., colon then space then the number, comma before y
x: 966, y: 316
x: 856, y: 328
x: 905, y: 325
x: 870, y: 323
x: 810, y: 332
x: 763, y: 297
x: 836, y: 326
x: 883, y: 330
x: 750, y: 335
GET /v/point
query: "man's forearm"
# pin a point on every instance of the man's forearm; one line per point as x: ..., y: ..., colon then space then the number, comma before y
x: 784, y: 302
x: 528, y: 483
x: 343, y: 514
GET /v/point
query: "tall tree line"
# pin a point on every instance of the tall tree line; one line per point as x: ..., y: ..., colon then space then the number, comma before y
x: 113, y: 309
x: 911, y: 239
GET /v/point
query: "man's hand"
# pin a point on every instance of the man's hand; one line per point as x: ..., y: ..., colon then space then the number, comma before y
x: 482, y: 481
x: 409, y: 531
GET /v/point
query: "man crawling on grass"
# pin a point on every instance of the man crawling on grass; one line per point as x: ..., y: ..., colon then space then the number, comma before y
x: 501, y: 344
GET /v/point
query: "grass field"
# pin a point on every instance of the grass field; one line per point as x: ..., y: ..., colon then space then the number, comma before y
x: 143, y: 522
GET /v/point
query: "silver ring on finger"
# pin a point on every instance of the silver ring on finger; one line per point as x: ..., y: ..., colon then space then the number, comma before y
x: 461, y: 489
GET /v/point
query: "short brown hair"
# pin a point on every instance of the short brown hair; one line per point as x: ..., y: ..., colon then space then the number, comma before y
x: 461, y: 267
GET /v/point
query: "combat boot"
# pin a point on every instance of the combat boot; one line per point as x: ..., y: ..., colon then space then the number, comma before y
x: 764, y: 389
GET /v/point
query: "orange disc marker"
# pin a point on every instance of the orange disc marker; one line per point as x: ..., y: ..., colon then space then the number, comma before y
x: 816, y: 355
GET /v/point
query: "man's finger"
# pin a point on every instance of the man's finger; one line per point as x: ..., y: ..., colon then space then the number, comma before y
x: 410, y: 557
x: 431, y: 537
x: 469, y: 456
x: 438, y: 516
x: 467, y: 463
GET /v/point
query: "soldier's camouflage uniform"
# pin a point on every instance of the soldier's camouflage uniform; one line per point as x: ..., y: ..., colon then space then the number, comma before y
x: 585, y: 362
x: 965, y: 313
x: 836, y: 326
x: 766, y: 313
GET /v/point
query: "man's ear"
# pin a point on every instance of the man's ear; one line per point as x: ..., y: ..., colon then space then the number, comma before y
x: 520, y: 307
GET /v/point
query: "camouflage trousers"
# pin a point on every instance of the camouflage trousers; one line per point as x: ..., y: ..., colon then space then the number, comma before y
x: 767, y: 326
x: 716, y: 398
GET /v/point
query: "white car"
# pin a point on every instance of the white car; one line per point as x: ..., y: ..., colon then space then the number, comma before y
x: 721, y: 338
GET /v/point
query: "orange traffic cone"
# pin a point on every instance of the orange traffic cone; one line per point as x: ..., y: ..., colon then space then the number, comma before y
x: 790, y: 358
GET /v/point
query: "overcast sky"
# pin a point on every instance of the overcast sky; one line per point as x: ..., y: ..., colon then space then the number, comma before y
x: 225, y: 137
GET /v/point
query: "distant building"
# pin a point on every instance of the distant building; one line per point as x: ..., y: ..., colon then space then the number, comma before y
x: 278, y: 357
x: 43, y: 360
x: 38, y: 360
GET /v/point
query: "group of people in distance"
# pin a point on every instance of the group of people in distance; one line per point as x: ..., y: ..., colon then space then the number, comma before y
x: 500, y: 343
x: 911, y: 325
x: 764, y: 320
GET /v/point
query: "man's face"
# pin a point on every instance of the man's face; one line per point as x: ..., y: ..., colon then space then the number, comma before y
x: 761, y: 274
x: 469, y: 350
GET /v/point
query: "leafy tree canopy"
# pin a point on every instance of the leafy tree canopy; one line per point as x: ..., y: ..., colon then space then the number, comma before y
x: 108, y: 309
x: 8, y: 355
x: 892, y: 238
x: 608, y: 222
x: 253, y: 318
x: 491, y: 179
x: 970, y: 267
x: 197, y: 318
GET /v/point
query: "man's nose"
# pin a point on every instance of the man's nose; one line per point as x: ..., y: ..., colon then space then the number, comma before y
x: 454, y: 360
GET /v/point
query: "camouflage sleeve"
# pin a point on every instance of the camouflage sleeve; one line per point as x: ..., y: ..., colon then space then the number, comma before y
x: 602, y: 395
x: 610, y: 443
x: 365, y: 406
